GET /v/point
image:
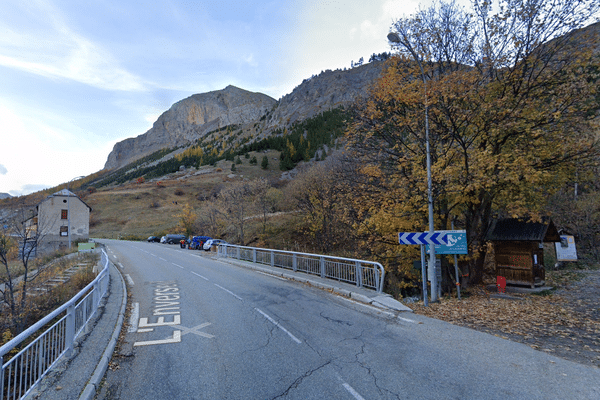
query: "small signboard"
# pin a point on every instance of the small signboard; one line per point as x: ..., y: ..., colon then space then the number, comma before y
x: 86, y: 246
x: 565, y: 249
x: 437, y: 238
x: 456, y: 243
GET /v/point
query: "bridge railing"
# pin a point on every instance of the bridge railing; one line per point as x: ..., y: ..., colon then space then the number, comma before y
x: 20, y: 374
x: 362, y: 273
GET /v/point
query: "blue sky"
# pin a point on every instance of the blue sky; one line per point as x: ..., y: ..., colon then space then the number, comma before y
x: 77, y: 77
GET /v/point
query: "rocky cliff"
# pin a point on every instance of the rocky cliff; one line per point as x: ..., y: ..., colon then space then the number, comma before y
x: 192, y: 118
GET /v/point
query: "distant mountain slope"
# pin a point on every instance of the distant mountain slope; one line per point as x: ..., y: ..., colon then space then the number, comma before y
x: 192, y: 118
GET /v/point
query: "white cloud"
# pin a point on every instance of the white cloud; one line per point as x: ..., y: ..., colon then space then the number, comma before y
x: 3, y: 170
x: 56, y: 51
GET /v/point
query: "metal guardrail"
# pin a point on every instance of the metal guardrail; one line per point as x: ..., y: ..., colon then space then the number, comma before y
x: 22, y: 372
x: 362, y: 273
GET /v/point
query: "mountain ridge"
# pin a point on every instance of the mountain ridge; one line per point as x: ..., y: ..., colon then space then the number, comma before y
x: 192, y: 118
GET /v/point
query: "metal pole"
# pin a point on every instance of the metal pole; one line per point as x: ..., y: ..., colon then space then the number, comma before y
x: 456, y: 270
x: 395, y: 38
x: 424, y: 276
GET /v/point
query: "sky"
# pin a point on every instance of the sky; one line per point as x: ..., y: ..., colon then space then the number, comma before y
x: 77, y: 77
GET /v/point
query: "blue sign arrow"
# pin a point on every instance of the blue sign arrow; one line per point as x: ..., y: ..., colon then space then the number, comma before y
x: 421, y: 238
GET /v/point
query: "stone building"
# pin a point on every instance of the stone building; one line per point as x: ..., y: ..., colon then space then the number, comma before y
x: 59, y: 217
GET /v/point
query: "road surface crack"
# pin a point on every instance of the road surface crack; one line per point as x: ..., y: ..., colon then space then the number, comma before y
x: 299, y: 380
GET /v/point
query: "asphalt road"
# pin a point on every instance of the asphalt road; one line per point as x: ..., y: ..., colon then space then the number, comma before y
x: 206, y: 329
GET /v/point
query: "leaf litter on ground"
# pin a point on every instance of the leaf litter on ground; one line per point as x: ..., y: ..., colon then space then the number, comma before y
x: 564, y: 323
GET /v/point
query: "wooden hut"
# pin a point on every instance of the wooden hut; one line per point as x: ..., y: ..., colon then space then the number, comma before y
x: 519, y: 249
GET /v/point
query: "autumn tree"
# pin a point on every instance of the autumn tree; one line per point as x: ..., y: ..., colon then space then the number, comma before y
x: 510, y: 98
x: 186, y: 220
x: 236, y: 205
x: 319, y: 193
x: 266, y: 200
x: 20, y: 242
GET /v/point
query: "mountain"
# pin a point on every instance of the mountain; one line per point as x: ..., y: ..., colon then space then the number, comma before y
x: 191, y: 118
x: 194, y: 117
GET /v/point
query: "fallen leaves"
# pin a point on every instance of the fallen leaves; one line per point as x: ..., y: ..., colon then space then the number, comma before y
x: 565, y: 324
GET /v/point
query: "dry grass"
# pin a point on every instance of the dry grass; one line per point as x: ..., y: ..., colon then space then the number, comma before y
x: 41, y: 305
x: 149, y: 209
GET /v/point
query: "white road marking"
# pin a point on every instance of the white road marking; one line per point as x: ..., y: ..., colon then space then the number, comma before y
x: 294, y: 338
x: 121, y: 265
x: 199, y: 275
x: 175, y: 339
x: 129, y: 279
x: 353, y: 392
x: 159, y: 322
x: 407, y: 320
x: 178, y: 265
x: 358, y: 303
x: 229, y: 291
x: 133, y: 318
x: 195, y: 330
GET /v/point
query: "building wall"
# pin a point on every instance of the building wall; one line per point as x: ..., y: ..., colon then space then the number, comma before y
x: 50, y: 221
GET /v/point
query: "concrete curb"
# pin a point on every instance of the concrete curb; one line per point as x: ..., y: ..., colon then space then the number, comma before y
x: 379, y: 300
x: 89, y: 392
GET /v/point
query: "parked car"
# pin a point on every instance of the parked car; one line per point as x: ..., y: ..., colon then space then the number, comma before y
x: 163, y: 239
x: 153, y: 239
x: 212, y: 242
x: 196, y: 242
x: 174, y: 239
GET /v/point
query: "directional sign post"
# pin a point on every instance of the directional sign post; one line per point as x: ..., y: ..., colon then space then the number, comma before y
x: 422, y: 239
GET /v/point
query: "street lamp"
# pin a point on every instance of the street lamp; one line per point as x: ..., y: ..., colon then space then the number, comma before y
x: 69, y: 209
x: 395, y: 38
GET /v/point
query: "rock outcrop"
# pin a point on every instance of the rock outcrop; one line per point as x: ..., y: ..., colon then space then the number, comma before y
x: 190, y: 119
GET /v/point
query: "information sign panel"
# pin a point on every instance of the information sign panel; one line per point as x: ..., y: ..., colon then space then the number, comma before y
x: 456, y: 243
x: 566, y: 250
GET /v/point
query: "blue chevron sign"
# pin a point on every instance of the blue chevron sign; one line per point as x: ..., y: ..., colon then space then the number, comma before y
x: 438, y: 238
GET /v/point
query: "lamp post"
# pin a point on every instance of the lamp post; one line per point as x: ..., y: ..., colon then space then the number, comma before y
x: 69, y: 209
x: 395, y: 38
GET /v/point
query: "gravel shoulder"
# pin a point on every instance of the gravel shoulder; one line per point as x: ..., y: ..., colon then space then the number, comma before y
x: 564, y: 322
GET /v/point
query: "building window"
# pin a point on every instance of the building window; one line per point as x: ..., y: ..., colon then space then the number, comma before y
x: 64, y: 214
x: 64, y: 231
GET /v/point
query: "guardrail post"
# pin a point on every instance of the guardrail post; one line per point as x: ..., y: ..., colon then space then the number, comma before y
x: 254, y: 256
x: 359, y: 276
x: 272, y: 258
x: 294, y: 262
x: 238, y: 253
x: 1, y: 378
x: 96, y: 294
x: 322, y: 261
x: 70, y: 330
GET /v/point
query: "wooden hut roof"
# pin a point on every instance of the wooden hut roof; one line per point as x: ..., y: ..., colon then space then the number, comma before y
x: 520, y: 229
